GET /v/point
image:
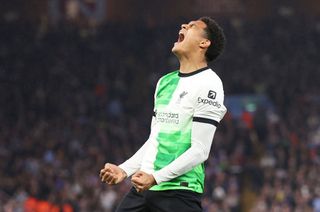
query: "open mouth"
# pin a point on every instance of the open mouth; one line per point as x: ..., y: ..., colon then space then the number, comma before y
x: 180, y: 38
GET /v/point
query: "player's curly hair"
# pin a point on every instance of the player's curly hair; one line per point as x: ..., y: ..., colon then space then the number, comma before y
x: 216, y: 35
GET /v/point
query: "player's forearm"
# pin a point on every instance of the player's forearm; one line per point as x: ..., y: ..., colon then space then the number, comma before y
x: 188, y: 160
x: 133, y: 164
x: 202, y: 136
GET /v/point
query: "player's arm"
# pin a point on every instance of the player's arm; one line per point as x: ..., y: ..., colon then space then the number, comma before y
x: 202, y: 136
x: 133, y: 164
x: 113, y: 174
x: 205, y: 121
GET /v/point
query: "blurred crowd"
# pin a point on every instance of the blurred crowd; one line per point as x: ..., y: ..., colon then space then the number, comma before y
x: 73, y: 99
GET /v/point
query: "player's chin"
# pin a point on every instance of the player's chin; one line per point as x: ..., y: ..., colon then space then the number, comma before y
x: 175, y: 48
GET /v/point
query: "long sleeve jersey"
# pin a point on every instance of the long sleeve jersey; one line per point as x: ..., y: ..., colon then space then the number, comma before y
x: 187, y: 110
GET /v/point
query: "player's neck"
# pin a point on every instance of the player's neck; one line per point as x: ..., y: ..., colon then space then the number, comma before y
x: 189, y: 66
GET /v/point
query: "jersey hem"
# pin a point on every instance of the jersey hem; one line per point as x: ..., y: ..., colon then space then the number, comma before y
x: 175, y: 188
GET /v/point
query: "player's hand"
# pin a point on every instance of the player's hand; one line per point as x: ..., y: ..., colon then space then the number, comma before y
x: 112, y: 174
x: 142, y: 181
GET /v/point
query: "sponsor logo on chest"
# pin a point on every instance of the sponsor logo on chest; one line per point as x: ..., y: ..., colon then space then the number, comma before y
x: 167, y: 117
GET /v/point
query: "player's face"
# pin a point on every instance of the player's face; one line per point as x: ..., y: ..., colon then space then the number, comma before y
x: 190, y: 37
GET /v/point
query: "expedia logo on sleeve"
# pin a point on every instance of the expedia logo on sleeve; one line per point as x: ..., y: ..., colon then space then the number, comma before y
x: 209, y: 102
x: 211, y: 95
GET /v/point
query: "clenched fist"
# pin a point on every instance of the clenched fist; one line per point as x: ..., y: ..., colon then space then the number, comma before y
x: 142, y: 181
x: 112, y: 174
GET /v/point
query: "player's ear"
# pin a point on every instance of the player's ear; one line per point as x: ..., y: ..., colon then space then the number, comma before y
x: 205, y: 43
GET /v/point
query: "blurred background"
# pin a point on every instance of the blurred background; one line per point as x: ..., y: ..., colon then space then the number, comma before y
x: 77, y: 79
